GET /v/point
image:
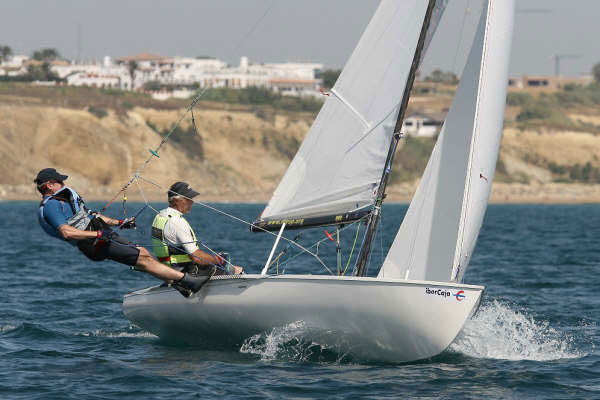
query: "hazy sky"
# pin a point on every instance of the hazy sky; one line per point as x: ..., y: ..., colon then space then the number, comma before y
x: 323, y: 31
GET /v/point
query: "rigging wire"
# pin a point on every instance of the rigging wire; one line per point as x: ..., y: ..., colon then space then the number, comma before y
x: 154, y: 153
x: 253, y: 28
x: 317, y: 243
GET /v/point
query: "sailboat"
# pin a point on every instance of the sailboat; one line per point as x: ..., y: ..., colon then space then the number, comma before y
x: 417, y: 304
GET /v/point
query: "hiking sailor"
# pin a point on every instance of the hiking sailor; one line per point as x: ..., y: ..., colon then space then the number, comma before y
x: 62, y: 214
x: 174, y: 240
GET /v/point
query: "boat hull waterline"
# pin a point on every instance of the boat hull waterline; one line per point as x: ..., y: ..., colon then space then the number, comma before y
x: 394, y: 321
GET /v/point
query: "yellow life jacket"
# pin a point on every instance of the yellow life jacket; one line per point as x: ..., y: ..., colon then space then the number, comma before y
x: 173, y: 256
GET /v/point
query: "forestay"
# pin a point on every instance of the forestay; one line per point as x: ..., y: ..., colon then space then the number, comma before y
x: 339, y: 164
x: 438, y: 234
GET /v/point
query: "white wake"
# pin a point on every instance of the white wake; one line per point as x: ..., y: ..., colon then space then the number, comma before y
x: 6, y: 328
x: 499, y: 332
x: 295, y: 342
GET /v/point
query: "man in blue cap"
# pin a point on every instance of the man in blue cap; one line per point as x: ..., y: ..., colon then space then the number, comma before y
x: 62, y: 214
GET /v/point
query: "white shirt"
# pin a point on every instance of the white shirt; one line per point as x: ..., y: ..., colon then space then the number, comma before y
x: 177, y: 232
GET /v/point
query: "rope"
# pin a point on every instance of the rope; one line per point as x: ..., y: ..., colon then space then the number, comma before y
x: 154, y: 153
x: 323, y: 240
x: 352, y: 250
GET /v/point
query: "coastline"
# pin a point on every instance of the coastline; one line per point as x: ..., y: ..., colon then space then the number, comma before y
x: 502, y: 193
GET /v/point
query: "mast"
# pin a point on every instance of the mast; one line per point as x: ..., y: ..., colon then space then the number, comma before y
x: 361, y: 262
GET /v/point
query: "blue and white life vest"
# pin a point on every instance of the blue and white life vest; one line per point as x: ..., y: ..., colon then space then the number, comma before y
x: 80, y: 218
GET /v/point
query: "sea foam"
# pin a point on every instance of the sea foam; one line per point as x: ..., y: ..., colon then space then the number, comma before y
x: 498, y: 331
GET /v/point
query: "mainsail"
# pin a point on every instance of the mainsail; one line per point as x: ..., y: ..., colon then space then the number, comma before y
x: 439, y: 231
x: 338, y: 167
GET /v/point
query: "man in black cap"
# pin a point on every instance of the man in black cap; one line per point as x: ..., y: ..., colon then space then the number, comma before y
x: 62, y: 214
x: 174, y: 240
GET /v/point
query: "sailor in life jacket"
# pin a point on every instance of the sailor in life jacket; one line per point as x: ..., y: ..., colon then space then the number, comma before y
x: 174, y: 240
x: 63, y: 215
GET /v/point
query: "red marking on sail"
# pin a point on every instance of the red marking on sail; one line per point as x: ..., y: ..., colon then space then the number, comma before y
x: 329, y: 236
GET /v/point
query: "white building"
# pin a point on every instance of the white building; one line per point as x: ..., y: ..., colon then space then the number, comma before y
x: 188, y: 71
x: 14, y: 66
x: 99, y: 80
x: 422, y: 125
x: 180, y: 73
x: 105, y: 75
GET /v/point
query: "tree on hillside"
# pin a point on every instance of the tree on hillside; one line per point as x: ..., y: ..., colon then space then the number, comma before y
x: 596, y: 72
x: 438, y: 75
x: 329, y: 77
x: 46, y: 55
x: 131, y: 67
x: 5, y: 52
x: 41, y: 73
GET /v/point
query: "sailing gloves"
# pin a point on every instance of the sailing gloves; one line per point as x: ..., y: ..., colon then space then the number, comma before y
x: 104, y: 234
x: 127, y: 223
x: 220, y: 259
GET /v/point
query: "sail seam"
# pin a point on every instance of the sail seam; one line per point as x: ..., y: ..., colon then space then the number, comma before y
x: 463, y: 223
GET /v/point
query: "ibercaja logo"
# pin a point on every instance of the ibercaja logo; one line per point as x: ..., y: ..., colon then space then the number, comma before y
x: 460, y: 295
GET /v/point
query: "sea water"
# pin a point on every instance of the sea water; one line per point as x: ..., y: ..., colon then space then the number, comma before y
x: 63, y: 334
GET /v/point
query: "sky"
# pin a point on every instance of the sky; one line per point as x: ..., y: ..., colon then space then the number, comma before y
x: 322, y: 31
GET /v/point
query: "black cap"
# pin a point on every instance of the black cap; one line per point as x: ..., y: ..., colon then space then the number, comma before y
x: 49, y: 174
x: 182, y: 189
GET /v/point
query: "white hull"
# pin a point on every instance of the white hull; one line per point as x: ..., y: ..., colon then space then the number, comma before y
x: 375, y: 319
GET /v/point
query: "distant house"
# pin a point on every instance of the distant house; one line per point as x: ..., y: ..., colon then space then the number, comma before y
x: 546, y: 83
x: 422, y: 125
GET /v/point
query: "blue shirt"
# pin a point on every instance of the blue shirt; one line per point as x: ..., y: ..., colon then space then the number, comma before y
x: 57, y: 212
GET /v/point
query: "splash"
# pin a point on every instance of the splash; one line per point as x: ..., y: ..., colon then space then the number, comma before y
x: 294, y: 342
x: 499, y: 332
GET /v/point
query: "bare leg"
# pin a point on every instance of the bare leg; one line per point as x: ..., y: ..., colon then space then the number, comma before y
x: 149, y: 264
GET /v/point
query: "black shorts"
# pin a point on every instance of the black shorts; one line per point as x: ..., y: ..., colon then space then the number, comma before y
x: 117, y: 249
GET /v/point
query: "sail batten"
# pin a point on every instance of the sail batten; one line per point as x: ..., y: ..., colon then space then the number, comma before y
x: 303, y: 223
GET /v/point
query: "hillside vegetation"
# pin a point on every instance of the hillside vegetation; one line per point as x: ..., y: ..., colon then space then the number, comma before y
x: 239, y: 152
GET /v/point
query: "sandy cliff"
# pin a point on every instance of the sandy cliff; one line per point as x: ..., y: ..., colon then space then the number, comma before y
x: 238, y: 154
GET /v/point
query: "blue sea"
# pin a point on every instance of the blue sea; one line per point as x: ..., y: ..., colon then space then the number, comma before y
x: 63, y: 334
